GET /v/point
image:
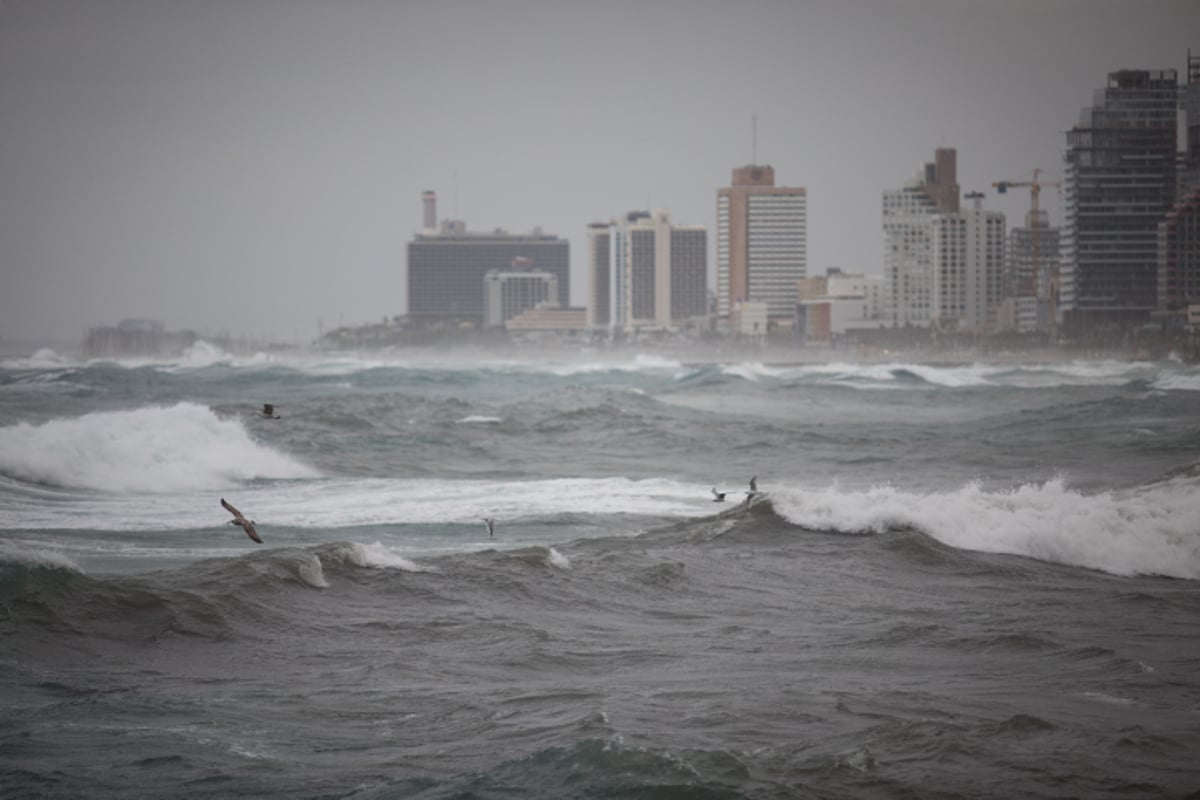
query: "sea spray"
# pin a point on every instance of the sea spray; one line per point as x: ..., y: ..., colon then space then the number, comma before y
x: 1150, y: 530
x: 149, y: 449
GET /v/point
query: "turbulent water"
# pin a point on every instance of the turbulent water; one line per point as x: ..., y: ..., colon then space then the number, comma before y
x: 955, y: 581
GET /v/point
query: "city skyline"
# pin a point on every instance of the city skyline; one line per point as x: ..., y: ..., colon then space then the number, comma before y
x: 258, y: 168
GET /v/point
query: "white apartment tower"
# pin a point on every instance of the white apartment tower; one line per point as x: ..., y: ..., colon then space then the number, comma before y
x: 968, y: 268
x: 908, y: 228
x: 762, y: 242
x: 645, y: 272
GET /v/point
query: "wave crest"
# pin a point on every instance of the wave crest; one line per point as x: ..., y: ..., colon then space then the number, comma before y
x: 1147, y: 531
x: 152, y: 449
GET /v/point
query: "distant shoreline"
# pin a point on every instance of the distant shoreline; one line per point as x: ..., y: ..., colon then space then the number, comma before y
x: 774, y: 355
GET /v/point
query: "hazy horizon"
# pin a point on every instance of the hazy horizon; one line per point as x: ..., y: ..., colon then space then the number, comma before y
x: 256, y: 169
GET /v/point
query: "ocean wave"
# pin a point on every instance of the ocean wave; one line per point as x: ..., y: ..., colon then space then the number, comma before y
x: 1188, y: 381
x: 44, y: 358
x: 376, y: 555
x: 150, y: 449
x: 1151, y: 530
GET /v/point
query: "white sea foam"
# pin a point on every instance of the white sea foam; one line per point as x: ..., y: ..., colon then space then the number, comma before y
x: 1181, y: 382
x: 151, y: 449
x: 44, y: 358
x: 752, y: 371
x: 557, y: 559
x: 478, y: 418
x: 379, y: 501
x: 1148, y: 531
x: 328, y: 504
x: 44, y: 556
x: 376, y: 555
x: 641, y: 362
x: 203, y: 354
x: 307, y: 568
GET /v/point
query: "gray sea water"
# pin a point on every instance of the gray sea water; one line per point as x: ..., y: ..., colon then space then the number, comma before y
x: 956, y: 581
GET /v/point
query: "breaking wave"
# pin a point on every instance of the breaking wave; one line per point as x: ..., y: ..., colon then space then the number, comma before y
x: 1152, y: 530
x: 152, y: 449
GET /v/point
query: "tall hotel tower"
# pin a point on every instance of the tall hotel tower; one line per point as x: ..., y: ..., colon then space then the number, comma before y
x: 1119, y: 182
x: 968, y: 268
x: 645, y: 272
x: 762, y: 242
x: 909, y: 216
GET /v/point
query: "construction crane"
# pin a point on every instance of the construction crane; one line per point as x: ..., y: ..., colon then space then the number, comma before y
x: 1035, y: 188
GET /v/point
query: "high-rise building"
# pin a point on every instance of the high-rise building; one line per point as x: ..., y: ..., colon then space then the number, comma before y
x: 1179, y: 232
x: 1119, y: 181
x: 645, y: 272
x: 968, y: 267
x: 762, y: 243
x: 908, y: 218
x: 446, y: 268
x: 599, y: 276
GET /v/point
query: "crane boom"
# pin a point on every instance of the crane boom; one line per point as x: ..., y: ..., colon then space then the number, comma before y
x: 1035, y: 188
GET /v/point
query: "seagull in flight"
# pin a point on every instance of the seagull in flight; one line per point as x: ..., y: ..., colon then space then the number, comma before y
x: 718, y: 497
x: 753, y: 493
x: 491, y: 523
x: 245, y: 524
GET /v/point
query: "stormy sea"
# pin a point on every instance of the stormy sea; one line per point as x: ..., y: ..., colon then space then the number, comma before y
x: 957, y: 580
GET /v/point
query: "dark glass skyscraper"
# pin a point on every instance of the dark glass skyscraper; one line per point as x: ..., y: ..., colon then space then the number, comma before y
x: 1119, y: 183
x: 447, y: 266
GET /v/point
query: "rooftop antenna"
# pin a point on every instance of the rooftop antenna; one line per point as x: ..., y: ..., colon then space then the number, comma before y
x: 754, y: 139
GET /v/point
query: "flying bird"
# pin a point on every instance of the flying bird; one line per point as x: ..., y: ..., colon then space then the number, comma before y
x: 268, y: 411
x: 718, y: 497
x: 491, y: 523
x: 245, y: 524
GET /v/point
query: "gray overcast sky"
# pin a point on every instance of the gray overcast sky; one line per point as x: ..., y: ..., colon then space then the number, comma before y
x: 254, y: 167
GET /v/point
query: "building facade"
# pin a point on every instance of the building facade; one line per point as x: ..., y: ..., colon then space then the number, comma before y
x: 968, y: 267
x: 908, y: 229
x: 1119, y: 181
x: 446, y: 268
x: 1022, y: 269
x: 839, y: 302
x: 1179, y: 232
x: 510, y: 293
x: 762, y: 243
x: 645, y: 272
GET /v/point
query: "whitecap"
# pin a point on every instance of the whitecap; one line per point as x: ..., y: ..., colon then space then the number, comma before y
x: 149, y: 449
x: 1147, y: 531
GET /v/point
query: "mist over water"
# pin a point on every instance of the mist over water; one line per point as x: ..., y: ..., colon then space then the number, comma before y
x: 969, y: 580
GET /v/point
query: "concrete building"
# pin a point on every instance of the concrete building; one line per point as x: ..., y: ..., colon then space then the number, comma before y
x: 549, y: 320
x: 762, y: 243
x: 646, y: 273
x: 968, y: 267
x: 512, y: 292
x: 446, y: 267
x: 1018, y: 281
x: 838, y: 303
x: 1119, y: 181
x: 600, y: 276
x: 749, y: 318
x: 908, y: 217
